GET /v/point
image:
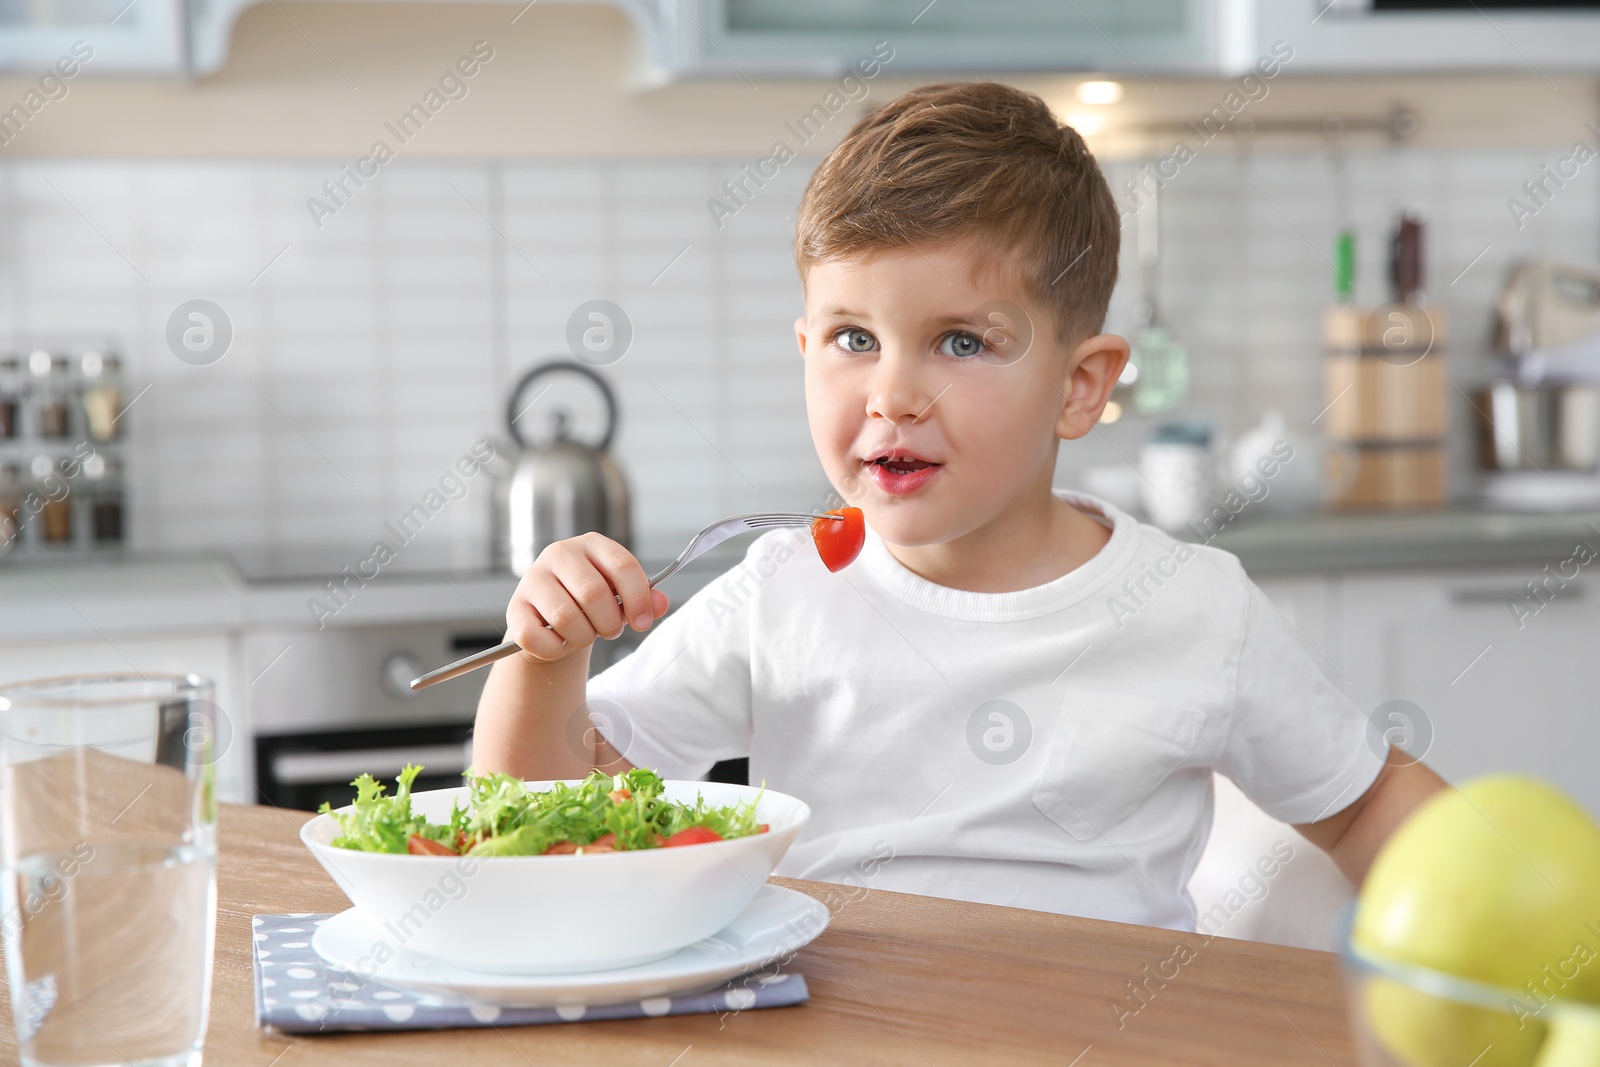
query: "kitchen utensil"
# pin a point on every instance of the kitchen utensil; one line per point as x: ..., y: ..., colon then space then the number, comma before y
x: 1156, y: 377
x: 1405, y: 258
x: 701, y: 543
x: 778, y: 922
x: 1546, y: 426
x: 1344, y: 271
x: 1386, y: 387
x: 1387, y: 477
x: 109, y: 857
x: 573, y: 914
x: 1544, y: 305
x: 1381, y: 396
x: 563, y: 487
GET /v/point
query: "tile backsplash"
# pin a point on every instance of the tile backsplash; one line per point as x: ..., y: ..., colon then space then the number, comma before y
x: 369, y: 352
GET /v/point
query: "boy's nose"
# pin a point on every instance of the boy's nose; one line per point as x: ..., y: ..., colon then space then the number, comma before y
x: 898, y: 390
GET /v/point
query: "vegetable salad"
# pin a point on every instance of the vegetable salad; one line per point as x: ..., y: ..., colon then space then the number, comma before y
x: 603, y: 813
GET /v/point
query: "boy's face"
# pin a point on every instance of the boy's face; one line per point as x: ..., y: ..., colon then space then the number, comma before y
x: 912, y: 353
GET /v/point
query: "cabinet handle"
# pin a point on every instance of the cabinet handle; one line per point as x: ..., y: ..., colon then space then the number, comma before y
x: 1573, y: 591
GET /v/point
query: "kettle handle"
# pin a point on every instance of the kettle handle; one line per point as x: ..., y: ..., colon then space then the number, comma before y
x: 606, y: 394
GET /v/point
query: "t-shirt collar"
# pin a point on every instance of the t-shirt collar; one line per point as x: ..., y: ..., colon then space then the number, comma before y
x: 1019, y: 604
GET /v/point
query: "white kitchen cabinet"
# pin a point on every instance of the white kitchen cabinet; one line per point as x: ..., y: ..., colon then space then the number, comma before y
x: 825, y: 37
x: 214, y: 655
x: 95, y: 36
x: 1349, y: 36
x: 1497, y: 697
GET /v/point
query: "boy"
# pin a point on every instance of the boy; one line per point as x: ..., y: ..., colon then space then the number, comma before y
x: 960, y: 707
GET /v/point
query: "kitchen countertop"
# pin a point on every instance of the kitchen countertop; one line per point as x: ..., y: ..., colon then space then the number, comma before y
x: 67, y: 597
x: 895, y: 979
x: 1458, y: 537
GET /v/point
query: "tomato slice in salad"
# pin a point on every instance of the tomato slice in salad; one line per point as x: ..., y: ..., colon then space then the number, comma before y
x: 839, y: 543
x: 694, y: 835
x: 422, y: 846
x: 606, y: 842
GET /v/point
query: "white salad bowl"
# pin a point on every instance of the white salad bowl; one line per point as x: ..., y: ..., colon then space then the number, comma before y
x: 559, y: 914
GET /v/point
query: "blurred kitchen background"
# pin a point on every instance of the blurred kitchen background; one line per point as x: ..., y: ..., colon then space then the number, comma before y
x: 222, y: 396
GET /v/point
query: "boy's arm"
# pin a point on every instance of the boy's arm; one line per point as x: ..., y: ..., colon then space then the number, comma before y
x: 532, y: 721
x: 1354, y: 836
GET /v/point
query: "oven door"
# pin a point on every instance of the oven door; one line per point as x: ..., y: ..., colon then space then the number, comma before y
x: 302, y: 770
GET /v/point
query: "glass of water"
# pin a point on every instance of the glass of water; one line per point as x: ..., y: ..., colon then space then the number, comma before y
x: 108, y: 887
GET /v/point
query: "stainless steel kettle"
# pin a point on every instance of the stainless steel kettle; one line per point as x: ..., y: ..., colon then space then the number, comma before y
x: 560, y: 488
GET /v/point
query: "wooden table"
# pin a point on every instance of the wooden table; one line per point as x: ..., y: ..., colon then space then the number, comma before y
x: 895, y: 979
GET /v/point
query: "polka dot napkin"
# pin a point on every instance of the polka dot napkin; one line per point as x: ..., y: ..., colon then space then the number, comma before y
x: 297, y: 992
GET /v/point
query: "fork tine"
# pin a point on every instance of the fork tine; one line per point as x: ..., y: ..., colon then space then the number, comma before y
x: 778, y: 518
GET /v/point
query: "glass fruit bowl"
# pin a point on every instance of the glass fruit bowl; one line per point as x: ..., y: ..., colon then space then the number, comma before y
x: 1404, y: 1015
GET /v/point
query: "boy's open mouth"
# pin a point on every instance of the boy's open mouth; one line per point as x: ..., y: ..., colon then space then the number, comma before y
x: 903, y: 466
x: 899, y: 474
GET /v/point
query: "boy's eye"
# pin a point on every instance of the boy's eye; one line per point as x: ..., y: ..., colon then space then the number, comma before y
x: 962, y: 345
x: 852, y: 339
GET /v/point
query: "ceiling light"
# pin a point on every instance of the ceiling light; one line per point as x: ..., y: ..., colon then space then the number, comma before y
x: 1087, y: 123
x: 1100, y: 92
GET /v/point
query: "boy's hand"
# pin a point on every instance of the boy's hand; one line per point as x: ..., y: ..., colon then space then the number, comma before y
x: 573, y: 586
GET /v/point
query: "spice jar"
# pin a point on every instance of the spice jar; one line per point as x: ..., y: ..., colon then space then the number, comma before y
x: 10, y: 507
x: 55, y: 517
x: 10, y: 398
x: 51, y: 395
x: 102, y: 394
x: 104, y: 483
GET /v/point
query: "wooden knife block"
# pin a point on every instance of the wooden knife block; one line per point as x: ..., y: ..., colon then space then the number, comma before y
x: 1386, y: 386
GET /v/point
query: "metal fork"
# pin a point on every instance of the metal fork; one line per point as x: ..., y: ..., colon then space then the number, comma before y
x: 701, y: 543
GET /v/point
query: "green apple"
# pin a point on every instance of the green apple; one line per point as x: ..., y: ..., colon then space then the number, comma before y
x: 1574, y: 1041
x: 1497, y: 881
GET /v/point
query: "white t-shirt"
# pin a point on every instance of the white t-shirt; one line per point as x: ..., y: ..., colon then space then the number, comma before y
x: 1048, y: 748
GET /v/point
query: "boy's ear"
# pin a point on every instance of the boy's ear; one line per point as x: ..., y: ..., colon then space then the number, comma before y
x: 1092, y: 372
x: 800, y: 334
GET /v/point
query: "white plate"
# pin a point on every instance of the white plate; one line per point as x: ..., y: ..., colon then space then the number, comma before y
x: 1541, y: 491
x: 776, y: 923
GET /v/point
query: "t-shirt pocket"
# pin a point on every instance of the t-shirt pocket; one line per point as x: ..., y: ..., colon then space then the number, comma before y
x: 1107, y: 754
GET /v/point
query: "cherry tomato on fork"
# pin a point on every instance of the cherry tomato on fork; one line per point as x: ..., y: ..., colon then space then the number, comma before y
x: 839, y: 543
